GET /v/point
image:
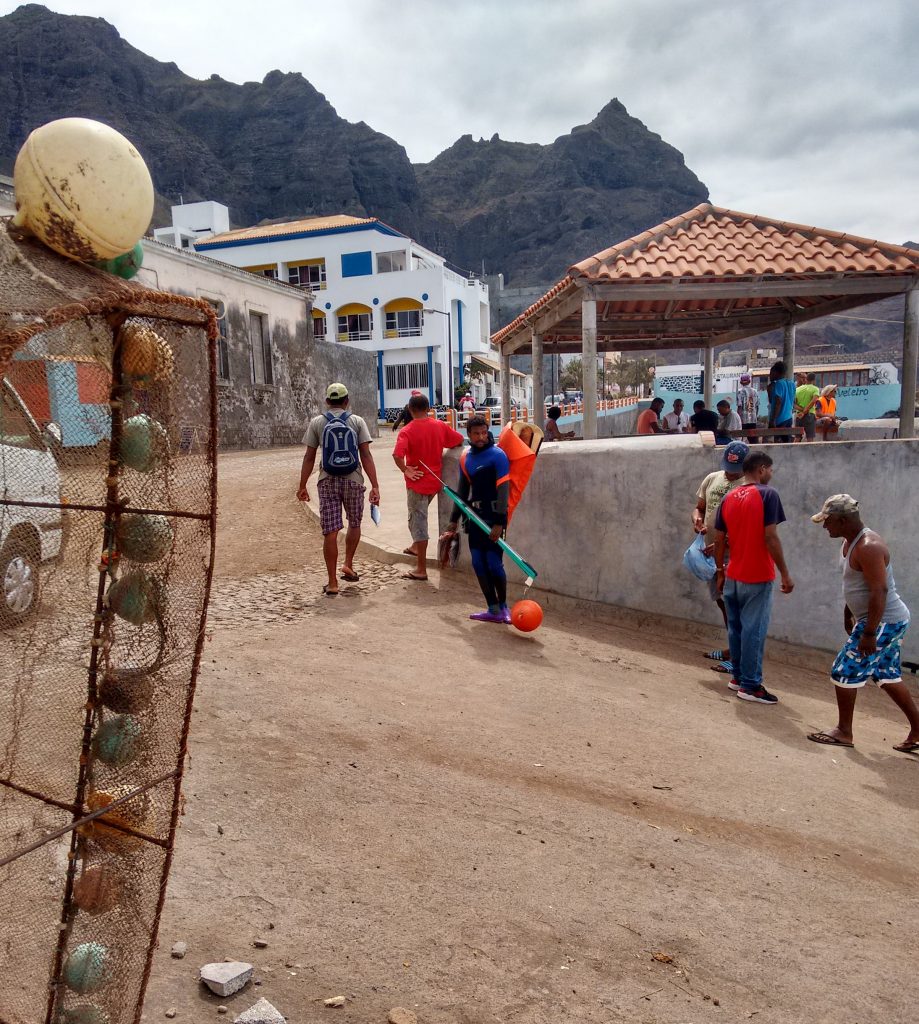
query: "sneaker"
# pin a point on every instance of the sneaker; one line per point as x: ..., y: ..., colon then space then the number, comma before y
x: 760, y: 696
x: 488, y: 616
x: 505, y: 614
x: 733, y: 685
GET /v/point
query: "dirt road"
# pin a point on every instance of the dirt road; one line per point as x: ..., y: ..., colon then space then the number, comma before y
x: 581, y: 824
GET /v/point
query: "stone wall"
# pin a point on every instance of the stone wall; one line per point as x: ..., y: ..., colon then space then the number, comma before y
x: 254, y: 415
x: 608, y: 521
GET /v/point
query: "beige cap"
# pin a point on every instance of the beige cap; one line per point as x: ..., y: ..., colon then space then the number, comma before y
x: 836, y: 505
x: 336, y: 392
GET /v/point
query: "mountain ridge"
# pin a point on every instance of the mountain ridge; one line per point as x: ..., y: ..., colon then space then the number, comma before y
x: 277, y: 149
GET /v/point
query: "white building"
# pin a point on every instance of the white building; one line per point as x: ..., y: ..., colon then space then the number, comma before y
x: 7, y: 196
x: 375, y: 289
x: 193, y: 222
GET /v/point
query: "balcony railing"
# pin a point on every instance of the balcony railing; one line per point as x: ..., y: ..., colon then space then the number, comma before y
x: 353, y: 336
x: 403, y: 332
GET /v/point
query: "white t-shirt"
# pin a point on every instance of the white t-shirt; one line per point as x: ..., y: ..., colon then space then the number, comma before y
x: 678, y: 424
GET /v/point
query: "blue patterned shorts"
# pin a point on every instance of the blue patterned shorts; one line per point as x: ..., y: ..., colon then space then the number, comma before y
x: 852, y: 668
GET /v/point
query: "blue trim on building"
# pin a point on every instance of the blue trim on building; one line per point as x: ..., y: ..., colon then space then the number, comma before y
x: 459, y: 338
x: 380, y: 384
x: 286, y: 237
x: 431, y: 374
x: 357, y: 264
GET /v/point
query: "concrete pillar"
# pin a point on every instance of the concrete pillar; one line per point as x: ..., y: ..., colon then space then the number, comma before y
x: 589, y: 365
x: 910, y: 354
x: 505, y: 388
x: 539, y: 388
x: 788, y: 351
x: 708, y: 383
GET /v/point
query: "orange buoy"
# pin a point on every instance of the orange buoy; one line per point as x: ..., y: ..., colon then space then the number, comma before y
x: 526, y: 615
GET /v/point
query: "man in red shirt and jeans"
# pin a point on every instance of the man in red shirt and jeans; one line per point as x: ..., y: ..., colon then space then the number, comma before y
x: 748, y: 519
x: 423, y: 440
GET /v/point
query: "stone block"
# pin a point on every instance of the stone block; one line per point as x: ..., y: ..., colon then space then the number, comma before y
x: 261, y: 1013
x: 226, y: 978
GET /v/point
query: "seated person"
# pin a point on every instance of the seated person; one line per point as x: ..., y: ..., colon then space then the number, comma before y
x: 827, y: 421
x: 728, y: 420
x: 702, y: 418
x: 676, y: 422
x: 649, y: 420
x: 552, y: 431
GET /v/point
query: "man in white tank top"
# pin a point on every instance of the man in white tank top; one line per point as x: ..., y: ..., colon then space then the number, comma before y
x: 875, y: 620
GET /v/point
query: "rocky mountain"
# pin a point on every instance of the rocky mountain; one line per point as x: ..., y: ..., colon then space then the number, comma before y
x: 277, y: 149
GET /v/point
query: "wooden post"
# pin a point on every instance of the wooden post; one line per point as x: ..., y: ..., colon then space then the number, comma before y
x: 505, y: 388
x: 708, y: 385
x: 589, y: 365
x: 539, y: 389
x: 788, y: 351
x: 910, y: 354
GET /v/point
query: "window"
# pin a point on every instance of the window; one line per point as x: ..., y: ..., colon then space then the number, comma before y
x: 269, y: 270
x: 15, y: 429
x: 223, y: 348
x: 355, y: 327
x: 356, y: 264
x: 387, y: 262
x: 260, y: 343
x: 404, y: 324
x: 318, y: 326
x: 307, y: 275
x: 406, y: 375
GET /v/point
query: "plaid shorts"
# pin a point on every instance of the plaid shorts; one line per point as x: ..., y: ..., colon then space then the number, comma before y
x: 335, y: 492
x: 852, y: 668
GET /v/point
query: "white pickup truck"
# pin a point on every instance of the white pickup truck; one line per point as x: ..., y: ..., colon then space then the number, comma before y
x: 29, y: 536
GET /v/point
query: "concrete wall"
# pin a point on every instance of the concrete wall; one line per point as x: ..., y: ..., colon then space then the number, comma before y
x: 610, y: 423
x: 609, y: 521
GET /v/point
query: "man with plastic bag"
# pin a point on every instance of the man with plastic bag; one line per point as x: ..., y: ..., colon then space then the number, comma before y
x: 698, y: 558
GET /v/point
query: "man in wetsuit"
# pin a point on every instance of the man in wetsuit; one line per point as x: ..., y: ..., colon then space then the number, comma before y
x: 484, y: 484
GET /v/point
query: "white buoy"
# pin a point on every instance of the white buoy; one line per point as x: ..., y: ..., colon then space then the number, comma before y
x: 83, y: 189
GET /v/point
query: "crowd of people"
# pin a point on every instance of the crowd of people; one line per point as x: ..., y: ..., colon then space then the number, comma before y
x: 796, y: 410
x: 737, y: 514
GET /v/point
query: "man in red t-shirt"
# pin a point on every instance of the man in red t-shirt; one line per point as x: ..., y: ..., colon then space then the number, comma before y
x: 749, y: 517
x: 423, y: 440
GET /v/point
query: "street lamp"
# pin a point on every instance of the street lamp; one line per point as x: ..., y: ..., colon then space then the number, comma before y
x: 449, y: 381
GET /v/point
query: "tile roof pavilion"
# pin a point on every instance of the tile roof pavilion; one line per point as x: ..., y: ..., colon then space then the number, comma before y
x: 706, y: 278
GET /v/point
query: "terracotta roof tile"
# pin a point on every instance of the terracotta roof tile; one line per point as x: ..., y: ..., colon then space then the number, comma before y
x: 299, y: 227
x: 711, y: 242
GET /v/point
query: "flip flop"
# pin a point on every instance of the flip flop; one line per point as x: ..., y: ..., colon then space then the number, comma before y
x: 351, y: 577
x: 717, y: 655
x: 722, y: 666
x: 412, y: 576
x: 907, y: 748
x: 327, y: 592
x: 408, y: 551
x: 830, y: 741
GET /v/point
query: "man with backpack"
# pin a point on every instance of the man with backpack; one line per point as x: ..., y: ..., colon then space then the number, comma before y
x: 344, y: 440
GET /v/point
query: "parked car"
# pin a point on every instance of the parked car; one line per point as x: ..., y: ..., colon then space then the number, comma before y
x: 28, y: 536
x: 493, y: 404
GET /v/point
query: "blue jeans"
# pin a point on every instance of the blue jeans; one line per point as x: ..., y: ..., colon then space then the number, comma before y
x: 749, y: 606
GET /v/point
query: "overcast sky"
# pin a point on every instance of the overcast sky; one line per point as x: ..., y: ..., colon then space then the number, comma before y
x: 803, y: 110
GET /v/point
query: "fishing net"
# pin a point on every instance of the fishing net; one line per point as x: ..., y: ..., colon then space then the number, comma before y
x: 107, y: 506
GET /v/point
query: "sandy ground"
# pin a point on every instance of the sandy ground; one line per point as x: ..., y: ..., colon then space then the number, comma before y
x: 580, y: 824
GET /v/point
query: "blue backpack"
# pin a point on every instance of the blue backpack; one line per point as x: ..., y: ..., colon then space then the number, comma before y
x: 339, y: 446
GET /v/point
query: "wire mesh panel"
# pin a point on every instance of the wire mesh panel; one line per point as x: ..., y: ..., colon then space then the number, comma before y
x: 107, y: 505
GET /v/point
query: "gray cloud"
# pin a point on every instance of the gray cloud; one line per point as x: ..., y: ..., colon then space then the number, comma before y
x: 804, y: 110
